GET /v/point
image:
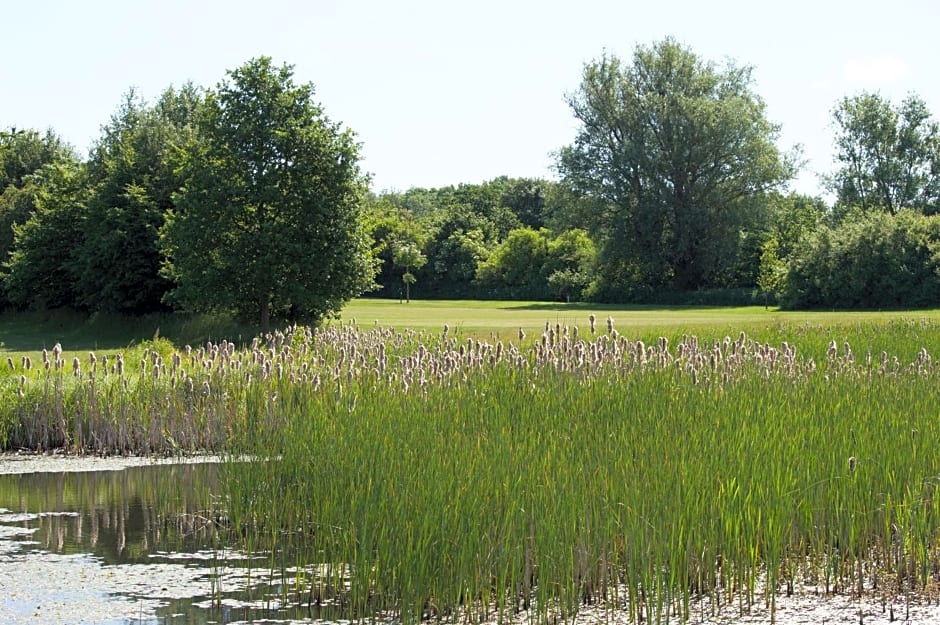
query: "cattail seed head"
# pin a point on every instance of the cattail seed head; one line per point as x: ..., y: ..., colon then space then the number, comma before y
x: 851, y: 464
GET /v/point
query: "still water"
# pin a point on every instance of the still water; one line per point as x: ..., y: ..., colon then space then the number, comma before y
x: 137, y: 545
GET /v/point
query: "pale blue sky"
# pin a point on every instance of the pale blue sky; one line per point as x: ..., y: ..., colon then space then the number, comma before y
x: 442, y: 92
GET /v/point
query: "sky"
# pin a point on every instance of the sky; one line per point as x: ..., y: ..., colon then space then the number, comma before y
x: 443, y: 93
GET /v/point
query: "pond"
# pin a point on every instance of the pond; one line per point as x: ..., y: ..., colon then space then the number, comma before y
x: 142, y: 544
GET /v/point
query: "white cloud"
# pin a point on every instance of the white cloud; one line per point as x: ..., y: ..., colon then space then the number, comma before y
x: 876, y: 69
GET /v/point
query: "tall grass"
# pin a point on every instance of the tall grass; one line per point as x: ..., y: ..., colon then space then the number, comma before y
x: 476, y: 480
x: 428, y: 475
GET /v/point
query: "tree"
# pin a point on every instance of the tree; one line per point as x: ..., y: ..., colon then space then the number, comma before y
x: 890, y: 157
x: 407, y: 256
x: 23, y: 153
x: 794, y: 218
x: 41, y: 270
x: 672, y: 149
x: 133, y: 181
x: 517, y: 264
x: 873, y: 260
x: 390, y: 227
x: 268, y: 221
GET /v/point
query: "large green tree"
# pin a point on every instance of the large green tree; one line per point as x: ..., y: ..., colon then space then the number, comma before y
x: 889, y: 156
x: 268, y: 220
x: 133, y: 179
x: 674, y: 150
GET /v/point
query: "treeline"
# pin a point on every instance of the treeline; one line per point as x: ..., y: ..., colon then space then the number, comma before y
x: 242, y: 199
x: 245, y: 198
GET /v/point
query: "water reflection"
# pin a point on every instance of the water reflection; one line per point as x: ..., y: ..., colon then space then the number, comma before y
x: 139, y: 545
x: 119, y: 516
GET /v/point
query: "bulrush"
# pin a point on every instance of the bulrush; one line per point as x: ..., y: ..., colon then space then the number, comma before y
x: 592, y: 320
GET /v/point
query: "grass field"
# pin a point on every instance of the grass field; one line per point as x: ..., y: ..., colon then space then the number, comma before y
x: 503, y: 319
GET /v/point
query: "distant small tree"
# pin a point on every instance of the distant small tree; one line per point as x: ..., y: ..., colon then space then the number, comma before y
x: 408, y: 257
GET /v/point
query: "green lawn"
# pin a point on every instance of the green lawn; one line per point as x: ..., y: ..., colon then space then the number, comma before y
x: 504, y: 319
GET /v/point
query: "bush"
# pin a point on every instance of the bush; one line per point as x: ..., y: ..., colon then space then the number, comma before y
x: 874, y: 260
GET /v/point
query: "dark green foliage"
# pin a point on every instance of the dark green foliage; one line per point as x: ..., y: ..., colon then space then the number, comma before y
x: 41, y: 271
x: 132, y: 186
x: 871, y: 260
x: 391, y: 227
x: 268, y: 222
x: 673, y: 152
x: 457, y: 228
x: 793, y: 217
x: 22, y: 154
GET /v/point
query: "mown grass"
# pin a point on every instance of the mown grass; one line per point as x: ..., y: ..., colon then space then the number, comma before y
x: 502, y: 319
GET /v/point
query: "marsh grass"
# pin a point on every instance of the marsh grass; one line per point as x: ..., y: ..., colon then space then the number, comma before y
x: 465, y: 484
x: 437, y: 475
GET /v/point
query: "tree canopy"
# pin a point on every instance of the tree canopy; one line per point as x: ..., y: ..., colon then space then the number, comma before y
x: 674, y: 149
x: 268, y: 219
x: 889, y: 156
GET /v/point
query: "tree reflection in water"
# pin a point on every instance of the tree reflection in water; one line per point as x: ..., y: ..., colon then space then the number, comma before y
x: 119, y: 516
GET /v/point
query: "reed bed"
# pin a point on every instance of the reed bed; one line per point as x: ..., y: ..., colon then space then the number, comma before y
x: 440, y: 478
x: 417, y: 475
